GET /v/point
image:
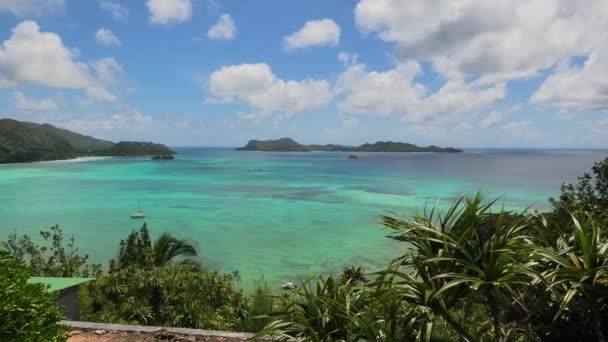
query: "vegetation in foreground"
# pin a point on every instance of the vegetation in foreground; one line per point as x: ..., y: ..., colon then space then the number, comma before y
x: 466, y: 274
x: 27, y: 311
x: 469, y: 274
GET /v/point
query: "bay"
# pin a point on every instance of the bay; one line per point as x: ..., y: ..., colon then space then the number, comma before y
x: 283, y: 216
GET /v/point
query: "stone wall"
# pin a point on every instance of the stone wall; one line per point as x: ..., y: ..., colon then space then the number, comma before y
x: 160, y: 333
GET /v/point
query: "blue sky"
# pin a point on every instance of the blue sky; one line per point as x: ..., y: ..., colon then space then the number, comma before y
x: 217, y: 73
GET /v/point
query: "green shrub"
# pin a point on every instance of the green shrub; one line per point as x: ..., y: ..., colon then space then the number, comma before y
x: 171, y: 296
x: 262, y: 305
x: 27, y: 311
x: 54, y: 258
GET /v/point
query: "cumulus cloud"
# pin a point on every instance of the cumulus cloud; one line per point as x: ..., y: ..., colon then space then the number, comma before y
x: 105, y: 37
x: 323, y: 32
x: 223, y: 29
x: 169, y: 11
x: 108, y: 70
x: 525, y: 129
x: 347, y: 59
x: 396, y: 92
x: 117, y: 10
x: 131, y: 119
x: 29, y: 104
x: 493, y: 41
x: 23, y: 8
x: 33, y: 57
x: 257, y: 86
x: 493, y: 119
x: 597, y: 129
x: 577, y: 88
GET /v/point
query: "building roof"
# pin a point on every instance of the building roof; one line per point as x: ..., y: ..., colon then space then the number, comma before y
x: 58, y: 283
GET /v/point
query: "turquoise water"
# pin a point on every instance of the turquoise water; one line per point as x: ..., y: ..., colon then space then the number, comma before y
x: 281, y: 215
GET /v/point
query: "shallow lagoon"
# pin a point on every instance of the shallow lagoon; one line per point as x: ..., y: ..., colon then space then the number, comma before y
x: 281, y: 215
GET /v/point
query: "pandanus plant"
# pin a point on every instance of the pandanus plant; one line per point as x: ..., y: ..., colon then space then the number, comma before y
x: 325, y: 309
x: 576, y: 269
x: 467, y: 255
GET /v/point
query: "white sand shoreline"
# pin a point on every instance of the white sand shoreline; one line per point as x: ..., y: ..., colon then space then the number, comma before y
x: 73, y: 160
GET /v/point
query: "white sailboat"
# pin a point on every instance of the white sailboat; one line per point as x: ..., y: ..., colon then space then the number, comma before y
x: 138, y: 214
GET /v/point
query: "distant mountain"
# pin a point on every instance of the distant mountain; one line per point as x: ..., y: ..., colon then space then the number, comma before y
x: 290, y: 145
x: 22, y: 142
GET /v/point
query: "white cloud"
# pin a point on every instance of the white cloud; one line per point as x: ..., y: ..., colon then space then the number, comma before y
x: 396, y: 92
x: 493, y: 119
x: 169, y: 11
x: 379, y: 93
x: 577, y: 88
x: 256, y: 86
x: 239, y: 81
x: 29, y: 104
x: 521, y: 129
x: 23, y: 8
x: 93, y: 124
x: 108, y: 70
x: 347, y: 59
x: 117, y: 10
x: 40, y: 58
x: 105, y: 37
x: 223, y: 29
x: 323, y: 32
x: 597, y: 128
x: 565, y: 115
x: 490, y: 40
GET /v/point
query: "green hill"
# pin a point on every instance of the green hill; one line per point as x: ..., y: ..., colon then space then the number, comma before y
x: 22, y: 142
x: 290, y: 145
x: 78, y: 141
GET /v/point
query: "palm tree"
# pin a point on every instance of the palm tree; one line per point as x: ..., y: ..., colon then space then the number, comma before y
x: 167, y: 249
x: 139, y: 251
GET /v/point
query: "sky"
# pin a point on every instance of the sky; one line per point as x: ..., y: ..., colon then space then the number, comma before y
x: 464, y: 73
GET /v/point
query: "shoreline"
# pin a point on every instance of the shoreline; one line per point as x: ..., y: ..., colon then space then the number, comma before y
x: 70, y: 160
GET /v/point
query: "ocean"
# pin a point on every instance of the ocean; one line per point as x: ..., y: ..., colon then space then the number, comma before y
x: 281, y: 216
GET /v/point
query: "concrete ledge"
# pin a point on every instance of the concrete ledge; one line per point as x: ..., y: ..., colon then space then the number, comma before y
x: 151, y: 329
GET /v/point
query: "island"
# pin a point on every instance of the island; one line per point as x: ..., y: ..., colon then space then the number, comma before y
x: 135, y: 148
x: 23, y: 142
x: 290, y: 145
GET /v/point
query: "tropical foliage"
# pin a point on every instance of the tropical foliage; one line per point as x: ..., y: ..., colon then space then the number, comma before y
x: 55, y: 258
x: 170, y: 296
x: 162, y: 283
x: 589, y: 194
x: 27, y: 311
x: 138, y: 251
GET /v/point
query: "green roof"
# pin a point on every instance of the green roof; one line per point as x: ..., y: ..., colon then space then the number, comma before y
x: 57, y: 283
